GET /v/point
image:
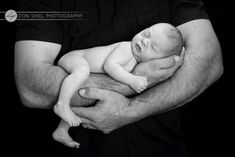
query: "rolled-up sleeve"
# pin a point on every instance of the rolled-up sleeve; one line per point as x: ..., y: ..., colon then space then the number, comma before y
x: 186, y: 10
x: 50, y: 31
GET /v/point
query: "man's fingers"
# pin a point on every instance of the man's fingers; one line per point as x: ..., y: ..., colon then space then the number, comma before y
x: 169, y: 72
x: 84, y: 112
x: 179, y: 60
x: 88, y: 126
x: 85, y: 120
x: 172, y: 61
x: 168, y: 62
x: 93, y: 93
x: 85, y: 115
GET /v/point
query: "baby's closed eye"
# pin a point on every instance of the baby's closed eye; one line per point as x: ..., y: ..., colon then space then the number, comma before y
x: 146, y: 34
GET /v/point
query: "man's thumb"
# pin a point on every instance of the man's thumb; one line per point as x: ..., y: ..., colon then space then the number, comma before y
x: 82, y: 92
x: 92, y: 93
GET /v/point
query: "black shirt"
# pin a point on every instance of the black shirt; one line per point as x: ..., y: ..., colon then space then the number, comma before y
x: 107, y: 22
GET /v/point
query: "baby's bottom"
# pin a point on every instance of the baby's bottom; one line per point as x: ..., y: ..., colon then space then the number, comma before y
x: 79, y: 71
x: 61, y: 135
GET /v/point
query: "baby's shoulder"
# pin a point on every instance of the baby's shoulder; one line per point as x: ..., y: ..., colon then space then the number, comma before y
x: 125, y: 43
x: 124, y: 46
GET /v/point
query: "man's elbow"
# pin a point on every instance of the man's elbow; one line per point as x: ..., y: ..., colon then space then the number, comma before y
x: 219, y: 70
x: 27, y: 102
x: 32, y: 100
x: 215, y: 62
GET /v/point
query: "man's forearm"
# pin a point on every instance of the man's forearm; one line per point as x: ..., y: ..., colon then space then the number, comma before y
x: 202, y: 66
x: 188, y: 82
x: 41, y: 88
x: 101, y: 81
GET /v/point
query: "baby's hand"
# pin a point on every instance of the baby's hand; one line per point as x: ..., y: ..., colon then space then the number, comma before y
x: 139, y: 83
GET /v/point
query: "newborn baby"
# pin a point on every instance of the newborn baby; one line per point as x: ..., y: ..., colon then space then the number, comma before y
x: 117, y: 60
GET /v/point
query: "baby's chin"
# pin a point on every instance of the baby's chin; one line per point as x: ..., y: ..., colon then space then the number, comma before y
x: 133, y: 42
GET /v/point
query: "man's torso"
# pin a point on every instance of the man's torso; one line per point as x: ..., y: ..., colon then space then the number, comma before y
x: 107, y: 22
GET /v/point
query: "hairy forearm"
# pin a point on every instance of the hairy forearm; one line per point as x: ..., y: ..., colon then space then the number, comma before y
x: 101, y: 81
x: 195, y: 75
x: 41, y: 88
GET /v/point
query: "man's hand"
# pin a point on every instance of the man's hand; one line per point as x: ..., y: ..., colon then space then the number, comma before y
x: 158, y: 70
x: 108, y: 114
x: 112, y: 110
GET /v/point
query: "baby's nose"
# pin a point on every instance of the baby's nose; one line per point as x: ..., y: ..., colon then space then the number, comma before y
x: 144, y: 42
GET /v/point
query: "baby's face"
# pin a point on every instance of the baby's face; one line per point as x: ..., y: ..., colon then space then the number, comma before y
x: 148, y: 44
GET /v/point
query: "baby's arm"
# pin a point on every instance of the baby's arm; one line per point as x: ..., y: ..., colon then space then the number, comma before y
x: 114, y: 67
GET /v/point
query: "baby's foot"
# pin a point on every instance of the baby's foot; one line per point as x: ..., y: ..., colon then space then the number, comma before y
x: 67, y: 115
x: 63, y: 137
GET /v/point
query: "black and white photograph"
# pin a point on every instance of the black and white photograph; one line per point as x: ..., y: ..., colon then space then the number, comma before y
x: 116, y: 78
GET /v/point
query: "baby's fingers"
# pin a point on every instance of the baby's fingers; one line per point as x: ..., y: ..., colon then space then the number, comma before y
x: 142, y: 88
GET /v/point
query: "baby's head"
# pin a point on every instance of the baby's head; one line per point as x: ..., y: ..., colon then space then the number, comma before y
x: 158, y: 41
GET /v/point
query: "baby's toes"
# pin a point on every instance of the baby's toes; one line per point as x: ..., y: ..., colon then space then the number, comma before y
x: 75, y: 145
x: 79, y: 120
x: 70, y: 123
x: 76, y: 123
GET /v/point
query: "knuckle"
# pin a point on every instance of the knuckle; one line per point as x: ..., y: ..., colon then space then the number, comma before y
x: 89, y: 116
x: 94, y: 117
x: 173, y: 62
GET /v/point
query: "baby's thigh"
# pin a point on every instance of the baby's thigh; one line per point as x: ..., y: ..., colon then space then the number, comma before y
x: 74, y: 62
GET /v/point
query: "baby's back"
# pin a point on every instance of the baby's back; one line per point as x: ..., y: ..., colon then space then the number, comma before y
x: 97, y: 56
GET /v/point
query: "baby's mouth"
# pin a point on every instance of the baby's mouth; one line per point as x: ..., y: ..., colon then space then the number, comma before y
x: 138, y: 48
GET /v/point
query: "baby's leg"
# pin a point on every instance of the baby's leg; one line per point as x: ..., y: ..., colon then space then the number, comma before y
x: 61, y: 135
x: 79, y: 71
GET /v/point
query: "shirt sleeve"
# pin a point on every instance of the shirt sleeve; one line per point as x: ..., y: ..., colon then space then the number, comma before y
x: 183, y: 11
x: 50, y: 31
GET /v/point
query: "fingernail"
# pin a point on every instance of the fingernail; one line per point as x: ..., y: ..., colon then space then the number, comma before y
x: 177, y: 58
x: 82, y: 91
